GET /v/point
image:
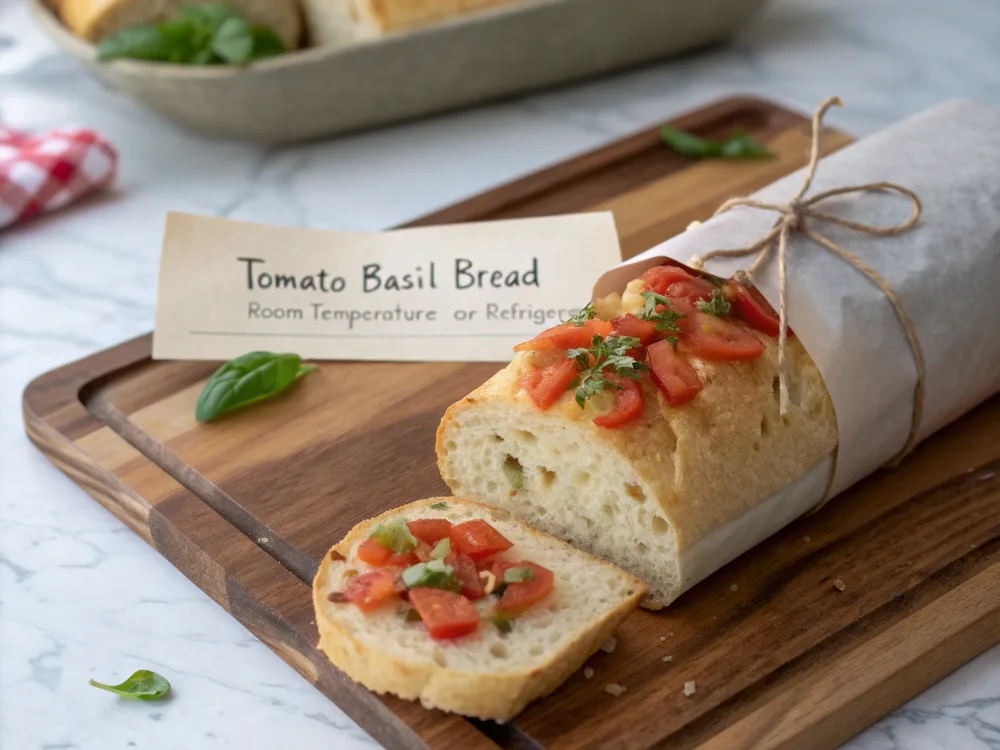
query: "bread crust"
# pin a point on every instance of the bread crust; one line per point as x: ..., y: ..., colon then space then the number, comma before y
x: 497, y: 696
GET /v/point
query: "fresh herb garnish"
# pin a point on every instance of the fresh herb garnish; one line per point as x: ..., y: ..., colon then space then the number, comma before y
x: 439, y: 506
x: 431, y: 575
x: 605, y: 353
x: 143, y: 684
x: 395, y: 535
x: 739, y: 146
x: 246, y: 380
x: 665, y: 319
x: 717, y: 305
x: 504, y: 623
x: 519, y: 575
x: 514, y: 472
x: 205, y: 34
x: 587, y: 313
x: 442, y: 549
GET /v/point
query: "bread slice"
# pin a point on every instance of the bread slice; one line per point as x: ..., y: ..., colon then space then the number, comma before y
x: 344, y: 21
x: 95, y: 19
x: 489, y: 675
x: 663, y: 497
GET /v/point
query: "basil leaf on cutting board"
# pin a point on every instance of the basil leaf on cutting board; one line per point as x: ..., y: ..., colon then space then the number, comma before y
x: 143, y: 685
x: 246, y: 380
x: 739, y: 146
x: 206, y: 34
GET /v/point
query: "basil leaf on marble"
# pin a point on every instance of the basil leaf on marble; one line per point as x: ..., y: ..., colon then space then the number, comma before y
x: 246, y: 380
x: 143, y: 685
x: 739, y: 146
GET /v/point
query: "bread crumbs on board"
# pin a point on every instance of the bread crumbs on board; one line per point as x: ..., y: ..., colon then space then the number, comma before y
x: 689, y: 688
x: 588, y: 672
x: 839, y: 585
x: 666, y: 659
x: 610, y: 645
x: 615, y: 689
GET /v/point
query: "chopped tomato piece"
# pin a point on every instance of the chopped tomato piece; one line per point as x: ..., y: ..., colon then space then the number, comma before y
x: 467, y: 575
x: 378, y: 556
x: 518, y: 597
x: 567, y: 336
x: 695, y: 290
x: 711, y: 337
x: 751, y: 306
x: 630, y: 325
x: 477, y: 539
x: 546, y: 385
x: 660, y: 277
x: 629, y: 403
x: 370, y: 590
x: 430, y: 530
x: 445, y: 614
x: 676, y: 378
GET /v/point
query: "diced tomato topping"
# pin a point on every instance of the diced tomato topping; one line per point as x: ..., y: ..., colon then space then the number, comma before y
x: 370, y: 590
x: 378, y: 556
x: 467, y: 575
x: 712, y: 337
x: 751, y: 306
x: 630, y: 325
x: 445, y: 614
x: 546, y: 385
x: 660, y: 277
x: 695, y: 290
x: 567, y: 336
x: 430, y: 530
x: 477, y: 539
x: 518, y: 597
x: 676, y: 378
x: 629, y: 403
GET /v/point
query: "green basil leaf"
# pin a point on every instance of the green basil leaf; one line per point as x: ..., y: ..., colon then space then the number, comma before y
x: 144, y: 685
x: 247, y: 379
x: 519, y: 575
x: 395, y: 535
x: 431, y: 575
x: 514, y: 472
x: 504, y: 623
x: 137, y: 43
x: 442, y: 549
x: 266, y: 43
x: 439, y: 506
x: 580, y: 318
x: 739, y: 146
x: 717, y: 305
x: 233, y: 41
x: 209, y: 16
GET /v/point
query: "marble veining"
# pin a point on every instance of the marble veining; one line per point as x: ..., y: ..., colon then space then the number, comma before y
x: 81, y: 596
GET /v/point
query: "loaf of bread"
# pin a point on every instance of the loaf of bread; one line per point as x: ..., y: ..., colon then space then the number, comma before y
x: 345, y: 21
x: 95, y: 19
x: 490, y: 674
x: 671, y: 496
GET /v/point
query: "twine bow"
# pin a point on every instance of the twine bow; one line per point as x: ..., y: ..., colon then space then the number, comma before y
x: 797, y: 216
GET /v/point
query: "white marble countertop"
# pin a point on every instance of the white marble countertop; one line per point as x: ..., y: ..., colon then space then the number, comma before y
x: 83, y: 597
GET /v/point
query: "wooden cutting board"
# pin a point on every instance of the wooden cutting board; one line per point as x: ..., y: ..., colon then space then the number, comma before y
x: 781, y: 659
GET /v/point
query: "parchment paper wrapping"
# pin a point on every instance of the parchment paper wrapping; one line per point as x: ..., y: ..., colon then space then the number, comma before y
x: 946, y: 271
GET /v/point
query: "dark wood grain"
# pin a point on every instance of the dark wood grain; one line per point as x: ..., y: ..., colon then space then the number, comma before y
x: 247, y: 506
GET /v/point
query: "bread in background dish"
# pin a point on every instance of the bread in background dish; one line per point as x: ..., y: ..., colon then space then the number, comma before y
x: 345, y: 21
x: 94, y: 20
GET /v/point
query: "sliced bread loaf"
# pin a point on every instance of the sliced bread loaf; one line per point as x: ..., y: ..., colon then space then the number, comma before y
x: 490, y: 674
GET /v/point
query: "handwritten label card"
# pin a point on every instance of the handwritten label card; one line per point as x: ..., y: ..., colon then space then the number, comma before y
x: 463, y: 292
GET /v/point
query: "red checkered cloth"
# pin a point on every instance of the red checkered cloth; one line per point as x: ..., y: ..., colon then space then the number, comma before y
x: 44, y: 172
